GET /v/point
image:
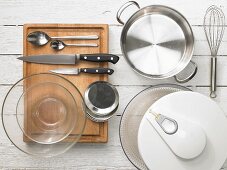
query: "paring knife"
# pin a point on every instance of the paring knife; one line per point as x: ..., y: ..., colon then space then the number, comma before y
x: 69, y: 59
x: 76, y: 71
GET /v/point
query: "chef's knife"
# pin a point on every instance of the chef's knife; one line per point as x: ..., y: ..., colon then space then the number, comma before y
x: 69, y: 59
x: 76, y: 71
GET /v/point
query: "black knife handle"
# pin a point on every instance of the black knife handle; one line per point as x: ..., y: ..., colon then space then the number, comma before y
x: 97, y: 70
x: 99, y: 58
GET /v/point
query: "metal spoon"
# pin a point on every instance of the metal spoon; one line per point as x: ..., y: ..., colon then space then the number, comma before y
x: 60, y: 45
x: 40, y: 38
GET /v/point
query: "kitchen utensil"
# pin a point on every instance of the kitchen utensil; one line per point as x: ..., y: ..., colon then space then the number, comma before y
x: 93, y: 132
x: 156, y: 41
x: 187, y: 73
x: 101, y: 100
x: 194, y: 108
x: 60, y: 45
x: 214, y: 26
x: 40, y: 38
x: 40, y: 111
x: 70, y: 59
x: 132, y: 116
x: 76, y: 71
x: 179, y: 134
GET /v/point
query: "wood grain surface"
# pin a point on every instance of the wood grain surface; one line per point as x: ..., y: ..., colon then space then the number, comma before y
x: 14, y: 14
x: 94, y: 132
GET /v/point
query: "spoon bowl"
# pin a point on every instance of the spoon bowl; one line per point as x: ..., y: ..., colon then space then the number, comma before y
x: 57, y: 45
x: 38, y: 38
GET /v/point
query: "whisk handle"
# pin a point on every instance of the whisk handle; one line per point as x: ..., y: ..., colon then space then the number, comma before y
x: 213, y: 77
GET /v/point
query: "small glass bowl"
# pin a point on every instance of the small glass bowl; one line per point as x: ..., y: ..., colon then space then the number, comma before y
x: 42, y: 110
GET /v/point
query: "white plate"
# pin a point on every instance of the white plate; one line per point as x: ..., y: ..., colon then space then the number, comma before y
x: 196, y: 108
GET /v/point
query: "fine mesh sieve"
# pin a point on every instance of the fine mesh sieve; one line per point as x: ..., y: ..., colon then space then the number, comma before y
x: 132, y: 116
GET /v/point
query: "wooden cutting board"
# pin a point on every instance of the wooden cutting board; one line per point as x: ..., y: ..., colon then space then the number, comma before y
x: 94, y: 132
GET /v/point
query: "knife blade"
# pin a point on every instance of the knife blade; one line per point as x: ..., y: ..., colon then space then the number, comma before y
x: 69, y: 59
x: 76, y: 71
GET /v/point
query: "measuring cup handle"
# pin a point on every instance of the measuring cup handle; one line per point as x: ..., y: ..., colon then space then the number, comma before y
x: 123, y: 7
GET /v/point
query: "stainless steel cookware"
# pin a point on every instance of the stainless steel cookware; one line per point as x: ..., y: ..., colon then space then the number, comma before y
x: 156, y: 41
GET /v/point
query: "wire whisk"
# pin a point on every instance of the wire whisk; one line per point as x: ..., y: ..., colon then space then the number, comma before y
x: 214, y: 26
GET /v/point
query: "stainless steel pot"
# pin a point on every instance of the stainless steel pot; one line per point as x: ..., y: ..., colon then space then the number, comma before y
x: 156, y: 41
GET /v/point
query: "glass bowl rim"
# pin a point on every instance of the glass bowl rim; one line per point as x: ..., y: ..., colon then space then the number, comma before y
x: 83, y: 109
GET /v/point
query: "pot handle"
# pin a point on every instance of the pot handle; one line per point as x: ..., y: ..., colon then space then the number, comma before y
x: 123, y: 7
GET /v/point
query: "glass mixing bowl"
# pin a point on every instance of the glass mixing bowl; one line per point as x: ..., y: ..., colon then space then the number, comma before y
x: 42, y: 110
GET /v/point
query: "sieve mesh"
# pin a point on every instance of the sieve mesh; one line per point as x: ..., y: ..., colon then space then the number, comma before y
x: 133, y: 115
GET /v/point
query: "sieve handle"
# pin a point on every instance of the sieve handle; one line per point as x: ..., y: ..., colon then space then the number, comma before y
x: 192, y: 74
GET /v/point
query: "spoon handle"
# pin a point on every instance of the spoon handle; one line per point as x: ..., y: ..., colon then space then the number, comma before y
x: 82, y: 45
x: 79, y: 37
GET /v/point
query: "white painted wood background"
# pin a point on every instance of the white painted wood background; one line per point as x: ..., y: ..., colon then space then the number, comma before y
x: 15, y: 13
